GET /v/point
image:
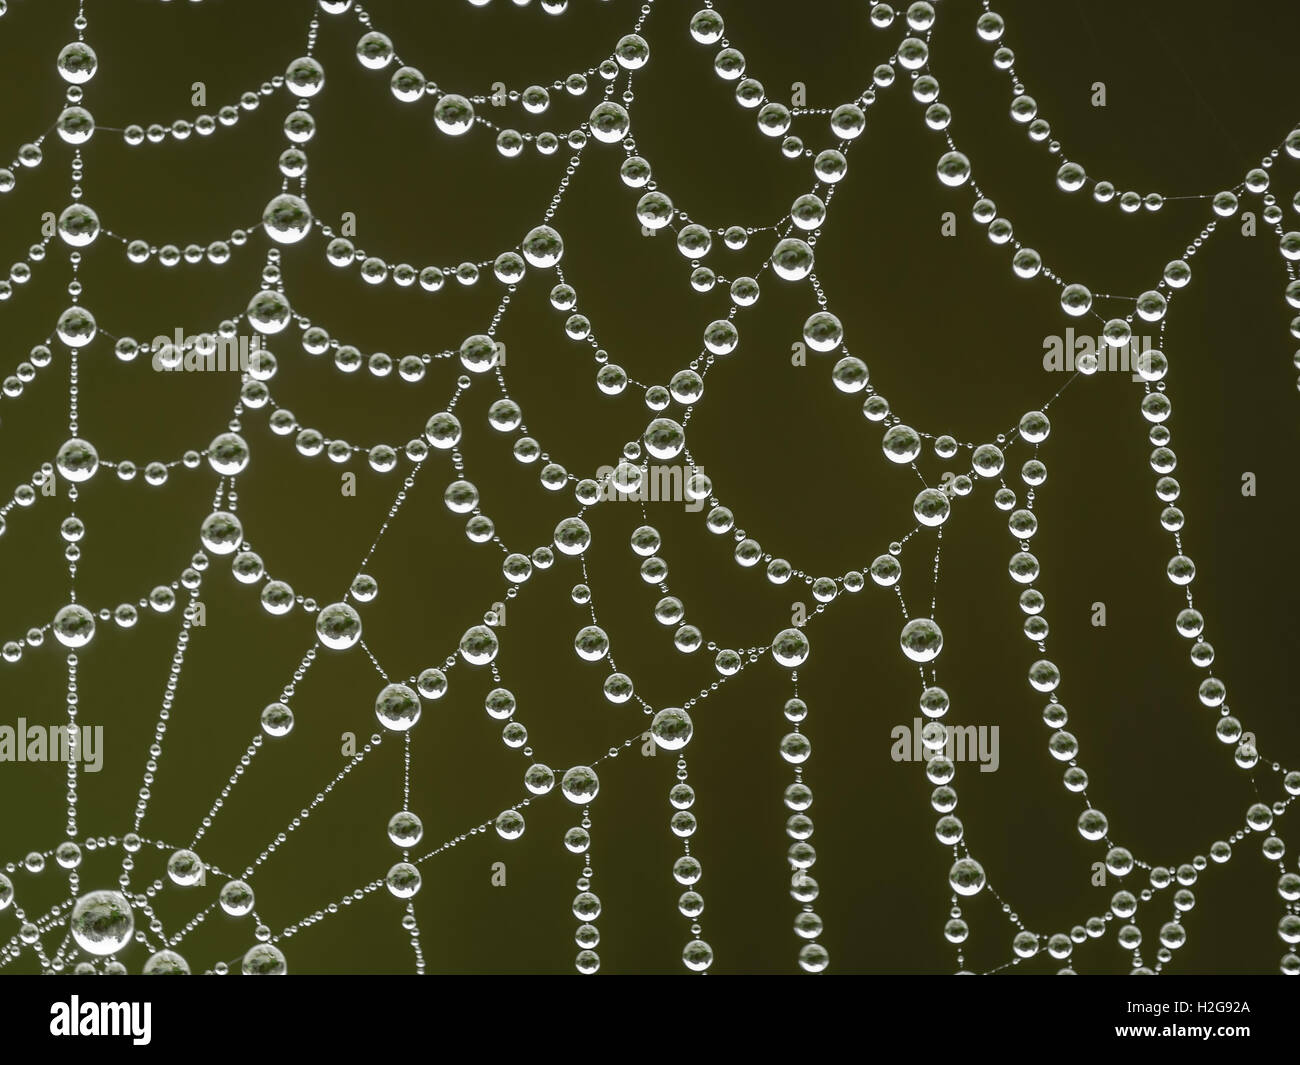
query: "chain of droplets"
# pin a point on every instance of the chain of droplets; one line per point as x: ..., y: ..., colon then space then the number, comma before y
x: 586, y: 903
x: 1044, y: 675
x: 1071, y: 176
x: 795, y: 750
x: 1035, y: 472
x: 508, y: 822
x: 69, y: 856
x: 922, y: 5
x: 1150, y: 307
x: 1022, y: 523
x: 183, y: 862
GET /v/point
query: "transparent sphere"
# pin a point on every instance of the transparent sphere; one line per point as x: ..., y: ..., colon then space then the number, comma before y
x: 228, y: 454
x: 510, y: 824
x: 953, y: 169
x: 78, y: 225
x: 397, y: 707
x: 987, y: 460
x: 77, y: 63
x: 403, y: 880
x: 287, y: 219
x: 921, y: 640
x: 479, y: 645
x: 572, y: 536
x: 966, y: 877
x: 443, y: 430
x: 654, y: 210
x: 77, y: 460
x: 671, y: 729
x: 236, y: 898
x: 374, y: 51
x: 304, y: 77
x: 901, y: 444
x: 542, y: 247
x: 823, y: 331
x: 269, y: 312
x: 75, y: 125
x: 166, y: 963
x: 1076, y: 300
x: 405, y: 829
x: 74, y: 625
x: 185, y: 868
x: 813, y: 958
x: 76, y: 327
x: 221, y: 532
x: 264, y: 960
x: 697, y: 955
x: 453, y: 114
x: 580, y: 785
x: 931, y: 507
x: 792, y: 259
x: 664, y: 438
x: 338, y: 626
x: 102, y: 922
x: 790, y: 648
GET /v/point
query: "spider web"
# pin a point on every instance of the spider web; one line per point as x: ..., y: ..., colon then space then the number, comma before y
x: 164, y: 893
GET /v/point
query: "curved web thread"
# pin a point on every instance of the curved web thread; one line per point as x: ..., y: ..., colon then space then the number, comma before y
x: 91, y: 926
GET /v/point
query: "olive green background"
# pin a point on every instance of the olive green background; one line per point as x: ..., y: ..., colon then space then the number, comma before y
x: 951, y: 337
